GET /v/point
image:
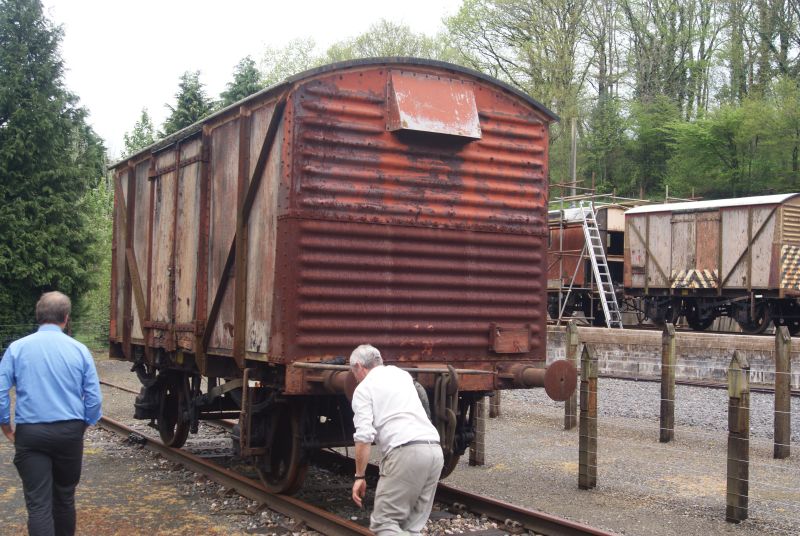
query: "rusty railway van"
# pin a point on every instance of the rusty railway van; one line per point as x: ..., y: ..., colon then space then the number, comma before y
x: 397, y: 202
x: 731, y: 257
x: 570, y: 287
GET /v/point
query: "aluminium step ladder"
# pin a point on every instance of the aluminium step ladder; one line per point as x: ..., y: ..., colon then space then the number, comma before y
x: 602, y: 275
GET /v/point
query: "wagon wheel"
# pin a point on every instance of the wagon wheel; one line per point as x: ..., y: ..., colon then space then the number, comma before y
x: 670, y: 313
x: 283, y: 469
x: 450, y: 462
x: 173, y: 427
x: 697, y: 322
x: 757, y: 324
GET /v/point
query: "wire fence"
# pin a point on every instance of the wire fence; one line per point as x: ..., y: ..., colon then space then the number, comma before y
x: 722, y: 447
x: 91, y: 331
x: 715, y: 463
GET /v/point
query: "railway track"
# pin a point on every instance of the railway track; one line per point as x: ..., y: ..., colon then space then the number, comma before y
x: 316, y: 518
x: 698, y: 383
x: 513, y: 519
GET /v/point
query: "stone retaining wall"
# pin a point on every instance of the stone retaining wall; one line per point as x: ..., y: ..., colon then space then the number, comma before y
x: 700, y: 356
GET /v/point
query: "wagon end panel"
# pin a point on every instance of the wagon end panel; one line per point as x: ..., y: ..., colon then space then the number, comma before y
x: 223, y: 171
x: 786, y: 271
x: 262, y: 232
x: 129, y: 264
x: 245, y: 153
x: 564, y: 257
x: 417, y: 231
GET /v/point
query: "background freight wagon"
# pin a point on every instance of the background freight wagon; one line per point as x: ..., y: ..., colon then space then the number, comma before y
x: 731, y: 257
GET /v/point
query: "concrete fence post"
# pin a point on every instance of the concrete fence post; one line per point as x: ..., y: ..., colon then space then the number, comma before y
x: 783, y: 402
x: 571, y: 404
x: 587, y: 449
x: 494, y: 405
x: 477, y: 449
x: 738, y: 439
x: 667, y: 426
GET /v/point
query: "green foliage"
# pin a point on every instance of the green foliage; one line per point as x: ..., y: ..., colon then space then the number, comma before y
x: 740, y: 150
x: 191, y: 104
x: 246, y: 81
x: 92, y: 317
x: 386, y: 39
x: 651, y: 149
x: 143, y: 135
x: 297, y: 56
x: 605, y: 147
x: 49, y: 159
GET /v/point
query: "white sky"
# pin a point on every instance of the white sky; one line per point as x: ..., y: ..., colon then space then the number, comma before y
x: 124, y: 56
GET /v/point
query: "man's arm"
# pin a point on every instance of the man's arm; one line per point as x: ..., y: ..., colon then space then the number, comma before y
x: 360, y: 484
x: 363, y: 438
x: 6, y: 382
x: 92, y: 398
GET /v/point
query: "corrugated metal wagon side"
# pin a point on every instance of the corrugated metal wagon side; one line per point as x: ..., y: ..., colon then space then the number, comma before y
x: 400, y: 203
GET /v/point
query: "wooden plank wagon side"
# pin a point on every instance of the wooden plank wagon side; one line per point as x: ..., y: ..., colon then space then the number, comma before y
x: 397, y: 202
x: 706, y: 259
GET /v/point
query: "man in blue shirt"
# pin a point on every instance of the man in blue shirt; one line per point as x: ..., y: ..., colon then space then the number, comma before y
x: 58, y: 396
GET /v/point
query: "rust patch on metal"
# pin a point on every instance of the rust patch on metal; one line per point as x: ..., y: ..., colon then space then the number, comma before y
x: 427, y: 103
x: 510, y: 341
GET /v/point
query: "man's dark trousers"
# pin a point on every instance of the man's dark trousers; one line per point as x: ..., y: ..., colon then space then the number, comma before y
x: 48, y: 458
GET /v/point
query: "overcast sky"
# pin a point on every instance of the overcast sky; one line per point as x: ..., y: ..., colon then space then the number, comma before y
x: 125, y: 56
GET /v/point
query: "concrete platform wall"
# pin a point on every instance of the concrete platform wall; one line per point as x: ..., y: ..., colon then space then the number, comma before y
x: 700, y: 356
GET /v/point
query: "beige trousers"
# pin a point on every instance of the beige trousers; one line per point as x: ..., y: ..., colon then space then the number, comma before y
x: 404, y: 497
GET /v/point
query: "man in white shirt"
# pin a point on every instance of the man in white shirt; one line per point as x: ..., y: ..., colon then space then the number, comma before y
x: 388, y: 411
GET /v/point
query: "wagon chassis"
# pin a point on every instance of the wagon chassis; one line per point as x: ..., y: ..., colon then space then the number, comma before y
x: 277, y: 431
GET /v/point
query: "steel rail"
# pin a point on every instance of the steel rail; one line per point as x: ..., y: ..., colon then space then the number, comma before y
x: 316, y: 518
x: 509, y: 515
x: 533, y: 520
x: 228, y: 424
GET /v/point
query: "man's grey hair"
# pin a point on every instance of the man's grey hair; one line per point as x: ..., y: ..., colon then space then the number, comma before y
x: 367, y: 356
x: 53, y: 308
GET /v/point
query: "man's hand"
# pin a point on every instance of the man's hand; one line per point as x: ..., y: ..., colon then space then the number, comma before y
x: 8, y: 431
x: 359, y: 490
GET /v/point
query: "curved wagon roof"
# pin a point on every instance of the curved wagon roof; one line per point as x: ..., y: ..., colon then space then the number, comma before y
x: 339, y: 66
x: 695, y: 206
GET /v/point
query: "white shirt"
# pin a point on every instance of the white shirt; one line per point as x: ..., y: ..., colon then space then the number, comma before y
x: 388, y: 410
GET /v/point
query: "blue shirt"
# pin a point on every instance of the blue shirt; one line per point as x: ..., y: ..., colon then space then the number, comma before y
x: 54, y: 376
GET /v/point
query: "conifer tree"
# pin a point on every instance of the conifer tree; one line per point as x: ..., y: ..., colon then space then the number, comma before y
x: 49, y: 159
x: 142, y: 135
x: 191, y: 104
x: 246, y: 81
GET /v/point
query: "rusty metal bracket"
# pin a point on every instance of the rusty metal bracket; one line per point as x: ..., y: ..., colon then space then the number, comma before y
x: 445, y: 408
x: 246, y: 419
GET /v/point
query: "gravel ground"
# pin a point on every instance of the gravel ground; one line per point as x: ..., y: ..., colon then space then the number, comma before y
x: 644, y: 487
x: 238, y: 515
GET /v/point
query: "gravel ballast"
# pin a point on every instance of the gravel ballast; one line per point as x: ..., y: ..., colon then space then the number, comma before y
x: 643, y: 487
